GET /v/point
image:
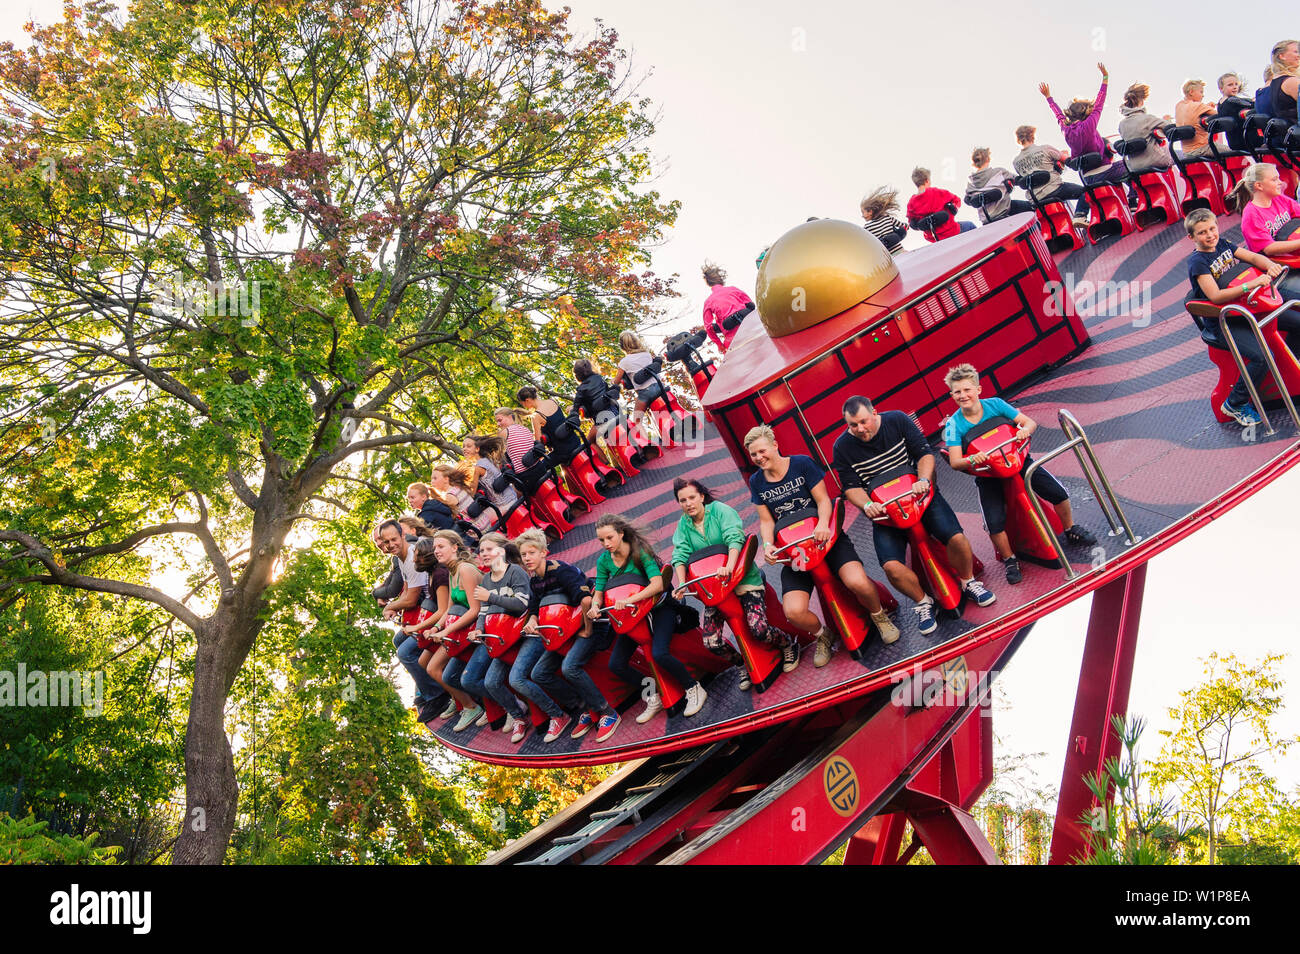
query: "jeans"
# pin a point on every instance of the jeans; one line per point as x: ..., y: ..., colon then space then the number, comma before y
x: 408, y: 654
x: 531, y: 651
x: 485, y: 676
x: 1069, y: 190
x: 452, y: 672
x: 965, y: 226
x: 662, y: 620
x: 575, y: 682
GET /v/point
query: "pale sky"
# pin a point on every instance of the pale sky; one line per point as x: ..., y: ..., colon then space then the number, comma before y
x: 775, y: 111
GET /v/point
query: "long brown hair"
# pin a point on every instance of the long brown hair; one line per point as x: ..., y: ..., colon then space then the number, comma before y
x: 635, y: 537
x: 489, y: 445
x: 462, y: 552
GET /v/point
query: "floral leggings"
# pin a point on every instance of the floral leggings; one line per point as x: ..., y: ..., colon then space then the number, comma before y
x: 755, y: 616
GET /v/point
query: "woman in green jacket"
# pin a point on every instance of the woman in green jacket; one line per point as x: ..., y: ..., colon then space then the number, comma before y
x: 707, y: 522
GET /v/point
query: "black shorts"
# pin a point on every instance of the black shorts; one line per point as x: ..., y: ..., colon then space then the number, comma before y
x: 939, y: 521
x: 993, y: 500
x: 840, y: 553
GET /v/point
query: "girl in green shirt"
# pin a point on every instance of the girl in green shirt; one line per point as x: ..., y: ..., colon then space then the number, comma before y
x: 707, y: 522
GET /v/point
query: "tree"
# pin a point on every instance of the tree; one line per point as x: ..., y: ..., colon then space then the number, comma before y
x: 252, y: 249
x: 1212, y: 758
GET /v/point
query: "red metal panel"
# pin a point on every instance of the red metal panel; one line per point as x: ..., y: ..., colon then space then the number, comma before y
x: 1104, y: 679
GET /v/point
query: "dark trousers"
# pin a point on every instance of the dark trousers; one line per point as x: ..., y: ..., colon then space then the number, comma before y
x: 662, y: 620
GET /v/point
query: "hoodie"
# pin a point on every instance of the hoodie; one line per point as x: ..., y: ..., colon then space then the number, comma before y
x: 1139, y: 124
x: 990, y: 177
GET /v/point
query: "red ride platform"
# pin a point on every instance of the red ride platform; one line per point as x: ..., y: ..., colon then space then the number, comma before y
x: 1139, y: 388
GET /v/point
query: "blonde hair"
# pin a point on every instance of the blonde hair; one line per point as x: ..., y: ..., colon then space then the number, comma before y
x: 760, y: 433
x: 421, y: 487
x: 961, y: 372
x: 532, y: 537
x: 1241, y: 82
x: 1196, y: 217
x: 1025, y: 134
x: 416, y: 526
x: 1192, y: 84
x: 1240, y: 196
x: 630, y: 342
x: 462, y: 552
x: 1279, y: 68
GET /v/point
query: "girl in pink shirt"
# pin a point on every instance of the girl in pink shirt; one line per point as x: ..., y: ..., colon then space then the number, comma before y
x: 724, y: 302
x: 1270, y: 221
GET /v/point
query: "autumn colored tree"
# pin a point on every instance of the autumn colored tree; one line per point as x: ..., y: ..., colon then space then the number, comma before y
x: 252, y: 250
x: 1213, y: 758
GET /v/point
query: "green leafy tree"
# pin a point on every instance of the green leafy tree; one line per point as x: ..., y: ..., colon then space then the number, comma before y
x: 1129, y: 826
x: 1213, y: 758
x: 249, y: 251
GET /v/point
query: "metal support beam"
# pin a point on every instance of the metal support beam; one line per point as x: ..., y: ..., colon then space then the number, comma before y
x: 1104, y: 679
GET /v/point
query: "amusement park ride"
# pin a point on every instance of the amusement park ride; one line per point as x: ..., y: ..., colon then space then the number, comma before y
x: 887, y: 735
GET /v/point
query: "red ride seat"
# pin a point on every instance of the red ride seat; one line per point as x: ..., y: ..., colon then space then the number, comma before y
x: 559, y: 623
x: 501, y: 634
x: 1108, y: 212
x: 1028, y: 537
x: 1205, y: 178
x: 1266, y: 300
x: 631, y: 621
x: 904, y: 510
x: 1157, y: 189
x: 761, y: 660
x: 1054, y: 215
x: 840, y: 608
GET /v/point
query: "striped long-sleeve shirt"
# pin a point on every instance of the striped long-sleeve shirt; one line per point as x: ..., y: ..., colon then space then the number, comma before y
x: 898, y: 443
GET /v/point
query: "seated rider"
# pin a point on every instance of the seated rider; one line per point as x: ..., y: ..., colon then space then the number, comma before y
x: 877, y: 209
x: 988, y: 176
x: 706, y: 522
x: 575, y: 691
x: 963, y: 383
x: 1269, y: 217
x: 786, y: 488
x: 1210, y: 267
x: 428, y: 507
x: 1038, y: 158
x: 596, y: 398
x: 625, y: 549
x: 930, y: 199
x: 874, y: 444
x: 725, y: 308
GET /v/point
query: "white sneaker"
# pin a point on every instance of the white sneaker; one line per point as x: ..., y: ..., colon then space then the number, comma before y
x: 450, y: 711
x: 467, y: 718
x: 520, y: 730
x: 652, y: 707
x: 482, y: 719
x: 695, y: 697
x: 888, y: 631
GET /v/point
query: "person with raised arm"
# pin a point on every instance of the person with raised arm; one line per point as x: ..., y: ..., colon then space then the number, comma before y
x: 1078, y: 122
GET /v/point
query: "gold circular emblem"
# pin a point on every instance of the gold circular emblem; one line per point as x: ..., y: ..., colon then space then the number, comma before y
x: 841, y: 784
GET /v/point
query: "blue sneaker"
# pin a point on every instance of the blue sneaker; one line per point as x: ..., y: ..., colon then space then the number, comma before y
x: 585, y: 722
x: 925, y: 621
x: 979, y: 593
x: 1245, y: 415
x: 607, y: 726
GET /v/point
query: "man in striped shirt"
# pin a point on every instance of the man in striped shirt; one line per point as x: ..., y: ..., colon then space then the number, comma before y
x: 877, y: 444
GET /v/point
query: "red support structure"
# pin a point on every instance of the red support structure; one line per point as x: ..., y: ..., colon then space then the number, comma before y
x: 1104, y: 678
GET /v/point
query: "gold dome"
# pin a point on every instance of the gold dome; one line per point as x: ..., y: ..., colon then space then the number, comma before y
x: 817, y: 270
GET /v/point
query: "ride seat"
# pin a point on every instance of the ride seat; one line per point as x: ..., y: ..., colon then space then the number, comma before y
x: 981, y: 198
x: 1203, y: 176
x: 1157, y: 189
x: 928, y: 223
x: 1054, y: 216
x: 1108, y: 211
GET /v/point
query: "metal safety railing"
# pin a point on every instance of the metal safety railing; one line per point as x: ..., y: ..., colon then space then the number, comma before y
x: 1077, y: 441
x: 1256, y: 325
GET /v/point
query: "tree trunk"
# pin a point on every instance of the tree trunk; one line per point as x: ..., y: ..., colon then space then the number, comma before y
x: 211, y: 792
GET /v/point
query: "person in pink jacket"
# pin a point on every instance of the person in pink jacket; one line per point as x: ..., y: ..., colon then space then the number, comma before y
x: 725, y: 307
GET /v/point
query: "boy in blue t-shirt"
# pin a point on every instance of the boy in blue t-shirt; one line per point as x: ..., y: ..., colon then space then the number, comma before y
x: 963, y: 383
x: 1216, y: 262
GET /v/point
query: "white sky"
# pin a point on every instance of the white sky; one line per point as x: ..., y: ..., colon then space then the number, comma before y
x: 775, y: 111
